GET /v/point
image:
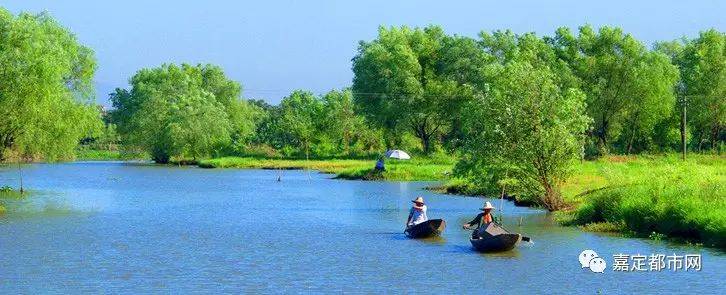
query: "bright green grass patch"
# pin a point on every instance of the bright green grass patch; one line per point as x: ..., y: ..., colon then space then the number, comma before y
x: 648, y: 196
x: 402, y: 170
x: 326, y: 166
x: 399, y: 170
x: 655, y: 195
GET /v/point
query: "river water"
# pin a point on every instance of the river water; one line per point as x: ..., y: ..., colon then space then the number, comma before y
x: 134, y: 227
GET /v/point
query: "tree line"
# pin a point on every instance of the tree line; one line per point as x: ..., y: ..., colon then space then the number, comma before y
x: 515, y: 109
x: 414, y: 88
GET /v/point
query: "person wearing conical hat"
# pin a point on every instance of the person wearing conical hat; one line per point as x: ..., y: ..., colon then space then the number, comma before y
x: 417, y: 214
x: 482, y: 219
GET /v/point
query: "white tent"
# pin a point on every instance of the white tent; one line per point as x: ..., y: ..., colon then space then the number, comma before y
x: 397, y: 154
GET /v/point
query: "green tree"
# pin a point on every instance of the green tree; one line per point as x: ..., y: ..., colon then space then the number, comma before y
x: 349, y: 132
x: 653, y: 101
x: 45, y: 88
x: 400, y: 83
x: 702, y: 63
x: 526, y: 125
x: 628, y: 87
x: 301, y: 113
x: 340, y: 118
x: 182, y: 111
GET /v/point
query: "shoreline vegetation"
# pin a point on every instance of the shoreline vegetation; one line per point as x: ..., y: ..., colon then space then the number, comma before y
x: 426, y: 169
x: 499, y: 112
x: 651, y: 196
x: 646, y: 196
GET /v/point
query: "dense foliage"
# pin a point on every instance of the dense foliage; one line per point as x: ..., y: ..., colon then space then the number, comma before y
x: 325, y: 126
x: 702, y: 88
x: 182, y: 111
x: 45, y: 85
x: 525, y: 130
x: 629, y: 88
x: 414, y: 80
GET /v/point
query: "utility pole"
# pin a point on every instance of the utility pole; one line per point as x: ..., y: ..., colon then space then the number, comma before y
x: 681, y: 91
x: 683, y: 128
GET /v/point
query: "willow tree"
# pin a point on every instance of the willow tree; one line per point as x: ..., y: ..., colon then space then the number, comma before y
x: 46, y: 89
x: 528, y: 124
x: 703, y: 71
x: 401, y: 84
x: 182, y: 111
x: 628, y: 87
x: 301, y: 114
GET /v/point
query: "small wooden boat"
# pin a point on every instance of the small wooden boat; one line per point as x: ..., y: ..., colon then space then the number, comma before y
x: 494, y: 238
x: 429, y: 228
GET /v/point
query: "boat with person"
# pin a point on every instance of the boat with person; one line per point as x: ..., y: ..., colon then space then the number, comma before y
x: 428, y: 228
x: 494, y: 238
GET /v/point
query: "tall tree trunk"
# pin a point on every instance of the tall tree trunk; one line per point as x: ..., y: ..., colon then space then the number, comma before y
x: 426, y: 143
x: 552, y: 199
x: 630, y: 143
x: 683, y: 131
x: 714, y: 137
x: 346, y: 142
x: 602, y: 135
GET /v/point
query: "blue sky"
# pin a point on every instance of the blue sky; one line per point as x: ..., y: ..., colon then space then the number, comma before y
x: 273, y: 47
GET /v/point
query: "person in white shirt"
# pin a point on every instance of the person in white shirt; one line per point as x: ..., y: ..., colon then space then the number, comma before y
x: 417, y: 213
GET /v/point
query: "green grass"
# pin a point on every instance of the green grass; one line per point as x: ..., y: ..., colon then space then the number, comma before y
x: 326, y: 166
x: 410, y: 170
x: 647, y: 196
x: 651, y: 196
x: 396, y: 170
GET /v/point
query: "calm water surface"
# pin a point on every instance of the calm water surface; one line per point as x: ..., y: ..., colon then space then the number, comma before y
x: 130, y: 227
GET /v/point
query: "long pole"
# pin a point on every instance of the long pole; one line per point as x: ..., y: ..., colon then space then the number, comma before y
x: 20, y: 173
x: 501, y: 203
x: 501, y: 199
x: 683, y: 128
x: 307, y: 160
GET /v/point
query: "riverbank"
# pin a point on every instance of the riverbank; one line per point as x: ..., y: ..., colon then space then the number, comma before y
x: 652, y: 197
x: 423, y: 169
x: 644, y: 196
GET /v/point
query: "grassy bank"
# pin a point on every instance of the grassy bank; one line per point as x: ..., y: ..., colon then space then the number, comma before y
x: 652, y: 197
x: 396, y: 170
x: 646, y: 196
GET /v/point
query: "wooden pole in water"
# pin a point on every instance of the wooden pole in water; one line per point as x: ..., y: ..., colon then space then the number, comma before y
x: 501, y: 204
x: 20, y: 173
x: 501, y: 198
x: 307, y: 160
